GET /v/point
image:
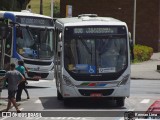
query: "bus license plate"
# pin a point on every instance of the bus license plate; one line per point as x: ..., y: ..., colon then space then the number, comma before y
x: 95, y: 94
x: 36, y: 77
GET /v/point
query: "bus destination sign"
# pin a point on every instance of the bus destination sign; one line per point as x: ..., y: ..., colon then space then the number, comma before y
x: 34, y: 21
x: 97, y: 30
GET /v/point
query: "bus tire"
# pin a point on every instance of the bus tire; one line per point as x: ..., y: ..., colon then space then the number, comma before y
x: 120, y: 101
x: 59, y: 96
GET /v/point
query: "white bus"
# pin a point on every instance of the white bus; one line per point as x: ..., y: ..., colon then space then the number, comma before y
x: 92, y: 58
x: 29, y: 38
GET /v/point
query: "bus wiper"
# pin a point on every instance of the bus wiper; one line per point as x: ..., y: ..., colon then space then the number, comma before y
x: 45, y: 34
x: 27, y: 27
x: 87, y: 48
x: 103, y: 46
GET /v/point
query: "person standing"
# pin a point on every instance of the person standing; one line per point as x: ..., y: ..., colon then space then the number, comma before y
x: 25, y: 89
x: 14, y: 77
x: 22, y: 85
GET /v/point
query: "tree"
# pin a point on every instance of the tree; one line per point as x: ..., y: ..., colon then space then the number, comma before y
x: 13, y: 5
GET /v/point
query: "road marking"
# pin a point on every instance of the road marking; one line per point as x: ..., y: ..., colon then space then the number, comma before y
x: 4, y: 118
x: 14, y: 108
x: 21, y: 109
x: 130, y: 109
x: 37, y: 101
x: 145, y: 101
x: 122, y: 118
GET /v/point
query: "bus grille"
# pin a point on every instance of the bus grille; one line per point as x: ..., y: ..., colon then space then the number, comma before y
x: 42, y: 75
x: 37, y: 62
x: 89, y: 92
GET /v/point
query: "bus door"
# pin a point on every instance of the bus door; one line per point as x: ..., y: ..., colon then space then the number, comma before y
x: 8, y: 47
x: 3, y: 33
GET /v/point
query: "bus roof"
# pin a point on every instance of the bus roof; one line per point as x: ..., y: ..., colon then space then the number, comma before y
x: 22, y: 13
x: 87, y: 20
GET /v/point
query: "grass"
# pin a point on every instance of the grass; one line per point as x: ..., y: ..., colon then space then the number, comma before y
x: 35, y: 6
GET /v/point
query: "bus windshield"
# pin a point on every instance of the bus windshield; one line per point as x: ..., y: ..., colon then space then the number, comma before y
x: 95, y: 54
x: 34, y: 43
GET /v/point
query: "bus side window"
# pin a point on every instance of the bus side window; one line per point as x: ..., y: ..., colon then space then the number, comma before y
x: 8, y: 47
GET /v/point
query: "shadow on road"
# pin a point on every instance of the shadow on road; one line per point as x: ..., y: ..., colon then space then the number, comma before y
x: 35, y: 87
x: 95, y: 103
x: 30, y: 87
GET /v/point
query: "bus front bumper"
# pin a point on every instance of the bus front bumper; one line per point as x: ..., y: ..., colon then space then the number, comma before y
x: 71, y: 91
x: 34, y: 75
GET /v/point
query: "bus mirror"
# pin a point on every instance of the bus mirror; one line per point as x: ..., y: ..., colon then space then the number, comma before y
x: 60, y: 46
x: 132, y: 50
x: 3, y: 32
x: 131, y: 46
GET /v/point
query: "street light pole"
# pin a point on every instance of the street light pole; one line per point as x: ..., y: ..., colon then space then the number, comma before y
x: 52, y: 5
x: 134, y: 21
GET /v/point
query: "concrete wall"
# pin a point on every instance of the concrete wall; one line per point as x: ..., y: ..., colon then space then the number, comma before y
x: 147, y: 25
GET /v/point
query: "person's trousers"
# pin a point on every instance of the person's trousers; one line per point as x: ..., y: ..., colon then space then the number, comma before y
x: 21, y: 86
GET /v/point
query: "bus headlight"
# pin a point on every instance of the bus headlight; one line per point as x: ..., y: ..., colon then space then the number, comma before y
x: 67, y: 81
x: 124, y: 80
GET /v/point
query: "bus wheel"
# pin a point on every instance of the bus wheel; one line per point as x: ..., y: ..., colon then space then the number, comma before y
x: 120, y: 101
x: 59, y: 96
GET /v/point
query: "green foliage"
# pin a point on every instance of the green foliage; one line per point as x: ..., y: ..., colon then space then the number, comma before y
x: 56, y: 9
x: 35, y: 6
x: 142, y: 53
x: 13, y: 5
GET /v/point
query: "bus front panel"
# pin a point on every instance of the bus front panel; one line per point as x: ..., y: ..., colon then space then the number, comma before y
x: 96, y: 61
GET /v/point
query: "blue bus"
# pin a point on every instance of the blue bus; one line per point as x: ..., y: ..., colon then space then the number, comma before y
x: 29, y: 38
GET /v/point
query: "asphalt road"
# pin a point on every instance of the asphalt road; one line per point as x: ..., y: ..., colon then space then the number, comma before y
x: 43, y: 98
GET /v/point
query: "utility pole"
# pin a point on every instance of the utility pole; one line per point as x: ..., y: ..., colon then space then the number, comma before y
x: 41, y: 7
x: 134, y: 22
